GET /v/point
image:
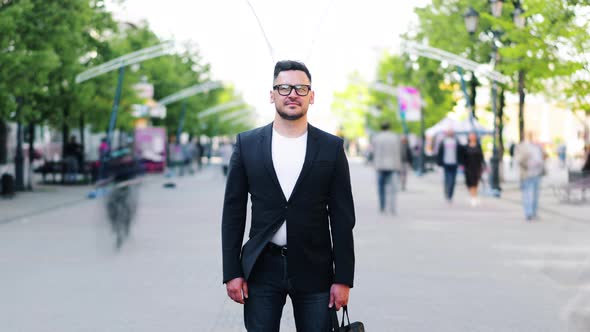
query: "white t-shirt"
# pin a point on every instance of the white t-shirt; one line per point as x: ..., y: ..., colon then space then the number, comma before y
x: 288, y: 155
x: 450, y: 153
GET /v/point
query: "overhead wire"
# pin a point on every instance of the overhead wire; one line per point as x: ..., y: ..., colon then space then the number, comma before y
x: 268, y: 44
x: 317, y: 30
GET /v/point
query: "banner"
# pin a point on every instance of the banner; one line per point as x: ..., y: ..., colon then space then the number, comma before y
x: 410, y: 103
x: 150, y: 147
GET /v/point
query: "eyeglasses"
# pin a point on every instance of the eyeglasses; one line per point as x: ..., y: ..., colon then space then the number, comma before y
x: 285, y: 89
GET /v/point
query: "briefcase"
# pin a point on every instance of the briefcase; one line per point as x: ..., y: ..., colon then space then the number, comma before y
x: 349, y: 327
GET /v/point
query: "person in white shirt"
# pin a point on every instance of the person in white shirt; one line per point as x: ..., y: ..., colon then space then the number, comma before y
x: 388, y: 159
x: 531, y: 161
x: 300, y: 241
x: 225, y: 151
x: 450, y: 156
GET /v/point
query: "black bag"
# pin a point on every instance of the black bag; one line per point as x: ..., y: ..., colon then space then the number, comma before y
x: 350, y: 327
x: 7, y: 185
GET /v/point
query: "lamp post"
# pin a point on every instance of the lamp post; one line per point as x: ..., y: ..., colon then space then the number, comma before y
x: 471, y: 18
x: 519, y: 21
x: 496, y: 8
x: 19, y: 156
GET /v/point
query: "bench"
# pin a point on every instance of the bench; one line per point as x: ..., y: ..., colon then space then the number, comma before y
x: 55, y: 168
x: 574, y: 191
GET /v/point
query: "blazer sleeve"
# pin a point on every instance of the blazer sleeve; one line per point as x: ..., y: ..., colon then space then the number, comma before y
x: 233, y: 222
x: 440, y: 154
x: 342, y: 220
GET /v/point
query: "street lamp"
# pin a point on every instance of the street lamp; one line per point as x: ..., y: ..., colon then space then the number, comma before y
x: 496, y: 7
x: 518, y: 17
x: 520, y: 21
x: 471, y: 20
x: 471, y: 17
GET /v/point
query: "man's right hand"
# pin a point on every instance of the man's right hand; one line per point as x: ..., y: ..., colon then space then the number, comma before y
x: 237, y: 289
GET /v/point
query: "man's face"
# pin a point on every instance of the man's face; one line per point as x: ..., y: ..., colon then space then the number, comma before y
x: 292, y: 106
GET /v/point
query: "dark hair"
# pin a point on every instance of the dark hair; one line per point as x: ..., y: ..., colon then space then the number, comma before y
x: 285, y: 65
x: 385, y: 126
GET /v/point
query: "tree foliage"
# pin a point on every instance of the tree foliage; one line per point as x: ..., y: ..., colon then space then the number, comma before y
x: 42, y: 53
x: 547, y: 47
x: 352, y: 108
x: 551, y: 48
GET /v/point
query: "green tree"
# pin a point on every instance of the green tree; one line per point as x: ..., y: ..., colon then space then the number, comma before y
x: 41, y: 53
x: 530, y: 56
x: 351, y: 106
x: 425, y: 74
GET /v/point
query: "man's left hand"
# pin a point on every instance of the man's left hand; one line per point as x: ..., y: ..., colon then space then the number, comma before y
x: 339, y: 296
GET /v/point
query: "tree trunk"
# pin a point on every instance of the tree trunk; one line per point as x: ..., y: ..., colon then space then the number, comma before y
x: 502, y: 105
x: 31, y: 155
x: 500, y: 137
x: 521, y: 96
x: 65, y: 133
x: 18, y: 157
x: 3, y: 142
x: 83, y: 136
x: 473, y: 84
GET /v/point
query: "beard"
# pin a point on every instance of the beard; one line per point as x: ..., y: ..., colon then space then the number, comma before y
x: 290, y: 117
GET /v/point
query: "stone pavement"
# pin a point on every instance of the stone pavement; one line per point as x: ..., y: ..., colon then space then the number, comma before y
x: 432, y: 267
x: 46, y: 197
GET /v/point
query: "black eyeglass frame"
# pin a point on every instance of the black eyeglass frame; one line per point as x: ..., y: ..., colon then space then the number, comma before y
x: 291, y: 87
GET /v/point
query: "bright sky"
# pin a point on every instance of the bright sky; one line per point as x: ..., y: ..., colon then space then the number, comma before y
x: 334, y: 38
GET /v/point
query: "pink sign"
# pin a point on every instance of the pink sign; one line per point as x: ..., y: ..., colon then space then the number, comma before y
x: 410, y: 103
x: 150, y: 147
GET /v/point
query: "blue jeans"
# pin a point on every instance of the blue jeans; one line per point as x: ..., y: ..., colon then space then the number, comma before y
x: 383, y: 179
x: 450, y: 177
x: 530, y: 196
x: 268, y: 288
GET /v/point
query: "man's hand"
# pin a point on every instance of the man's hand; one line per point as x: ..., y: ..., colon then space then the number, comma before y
x: 339, y: 296
x: 237, y: 290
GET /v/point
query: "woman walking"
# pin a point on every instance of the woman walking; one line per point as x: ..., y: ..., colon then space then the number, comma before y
x: 474, y: 164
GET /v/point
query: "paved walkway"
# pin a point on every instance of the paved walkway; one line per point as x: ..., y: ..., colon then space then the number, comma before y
x: 47, y: 197
x: 433, y: 267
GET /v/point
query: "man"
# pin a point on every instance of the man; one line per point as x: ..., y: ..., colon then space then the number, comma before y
x: 450, y: 156
x: 225, y: 152
x: 586, y: 167
x: 387, y: 150
x: 72, y: 159
x: 531, y: 159
x: 407, y: 162
x: 299, y: 183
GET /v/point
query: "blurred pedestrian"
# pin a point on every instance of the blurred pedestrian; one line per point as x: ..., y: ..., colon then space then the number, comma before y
x: 199, y: 153
x: 209, y: 151
x: 72, y: 159
x: 175, y: 157
x: 473, y: 165
x: 388, y: 160
x: 531, y: 160
x: 300, y: 241
x: 586, y: 167
x: 449, y: 157
x: 188, y: 153
x: 407, y: 162
x: 103, y: 148
x: 511, y: 153
x: 225, y: 151
x: 561, y: 154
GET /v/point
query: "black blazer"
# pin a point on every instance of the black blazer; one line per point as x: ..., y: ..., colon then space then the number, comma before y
x: 320, y: 212
x: 441, y: 153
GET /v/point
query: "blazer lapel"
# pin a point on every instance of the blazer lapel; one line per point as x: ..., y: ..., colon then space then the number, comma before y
x: 266, y: 147
x: 310, y: 155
